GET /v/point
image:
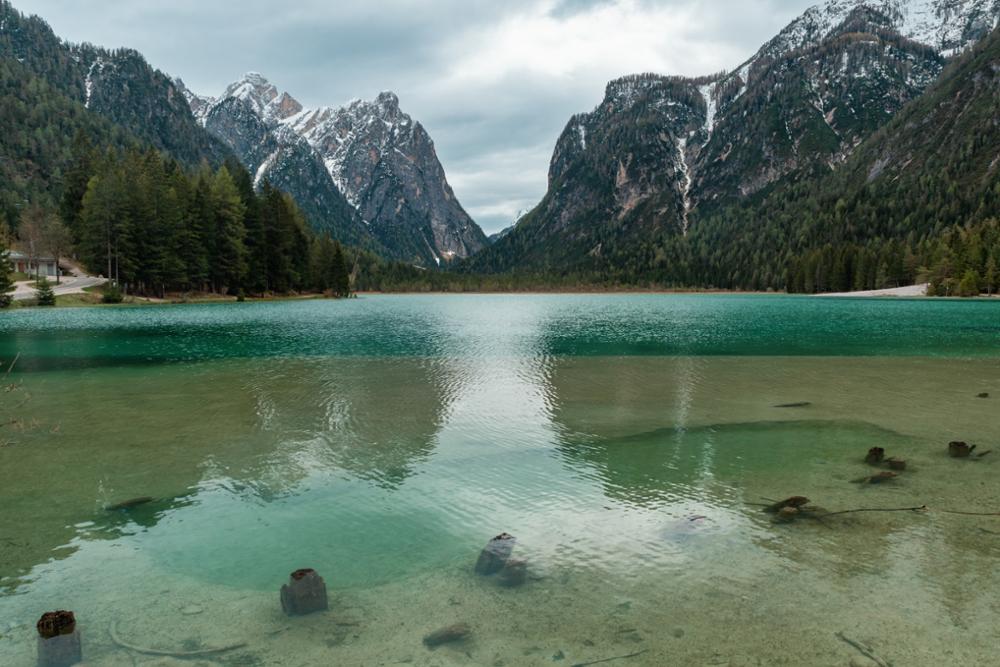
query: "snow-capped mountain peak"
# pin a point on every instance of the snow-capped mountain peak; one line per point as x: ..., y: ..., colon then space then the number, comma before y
x: 263, y: 98
x: 949, y: 26
x: 374, y: 154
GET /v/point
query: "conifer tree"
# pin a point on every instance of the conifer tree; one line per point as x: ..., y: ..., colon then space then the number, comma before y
x: 340, y: 279
x: 43, y: 292
x: 6, y: 279
x: 230, y: 262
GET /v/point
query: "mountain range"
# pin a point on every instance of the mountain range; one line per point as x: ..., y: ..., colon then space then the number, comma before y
x: 662, y: 153
x: 367, y: 171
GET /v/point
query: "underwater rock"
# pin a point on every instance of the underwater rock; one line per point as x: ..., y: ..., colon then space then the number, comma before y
x: 453, y: 633
x: 983, y: 395
x: 305, y: 593
x: 129, y: 504
x: 59, y: 642
x: 803, y: 404
x: 514, y: 574
x: 493, y: 558
x: 875, y: 456
x: 960, y: 450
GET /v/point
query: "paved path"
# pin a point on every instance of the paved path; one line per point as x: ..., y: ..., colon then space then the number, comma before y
x: 912, y: 290
x: 25, y: 290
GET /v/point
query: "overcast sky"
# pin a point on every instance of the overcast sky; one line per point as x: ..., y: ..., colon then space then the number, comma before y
x: 494, y: 82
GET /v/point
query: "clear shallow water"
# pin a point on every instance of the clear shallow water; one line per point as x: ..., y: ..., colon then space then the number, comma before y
x: 384, y: 440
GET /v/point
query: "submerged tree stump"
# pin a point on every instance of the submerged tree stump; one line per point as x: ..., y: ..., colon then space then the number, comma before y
x: 305, y: 593
x: 58, y: 640
x: 960, y: 450
x: 875, y: 456
x: 494, y: 557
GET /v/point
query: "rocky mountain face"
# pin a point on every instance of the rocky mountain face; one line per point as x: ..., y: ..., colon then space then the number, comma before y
x: 660, y: 152
x: 368, y: 166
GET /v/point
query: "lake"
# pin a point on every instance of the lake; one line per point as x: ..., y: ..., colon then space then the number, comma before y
x: 629, y: 442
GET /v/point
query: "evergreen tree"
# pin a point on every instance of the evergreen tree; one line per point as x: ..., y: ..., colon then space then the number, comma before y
x: 6, y: 279
x: 76, y: 179
x: 44, y: 295
x: 969, y: 286
x: 340, y: 279
x: 990, y: 277
x: 229, y: 264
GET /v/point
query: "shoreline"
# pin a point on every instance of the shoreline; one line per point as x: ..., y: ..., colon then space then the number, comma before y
x: 90, y: 299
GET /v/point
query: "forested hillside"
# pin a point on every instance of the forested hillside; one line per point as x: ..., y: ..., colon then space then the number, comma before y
x: 154, y: 227
x: 51, y: 90
x: 918, y: 199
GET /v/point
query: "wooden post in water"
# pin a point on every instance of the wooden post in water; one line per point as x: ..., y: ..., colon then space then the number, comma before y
x: 305, y: 593
x: 58, y: 640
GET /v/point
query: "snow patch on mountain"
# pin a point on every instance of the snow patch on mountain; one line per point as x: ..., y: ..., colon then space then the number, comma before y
x: 687, y: 182
x: 712, y: 107
x: 88, y: 85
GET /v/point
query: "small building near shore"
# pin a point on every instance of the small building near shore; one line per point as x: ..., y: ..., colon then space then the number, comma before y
x: 42, y: 265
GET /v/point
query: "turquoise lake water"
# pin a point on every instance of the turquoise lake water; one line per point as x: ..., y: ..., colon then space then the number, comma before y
x: 627, y: 441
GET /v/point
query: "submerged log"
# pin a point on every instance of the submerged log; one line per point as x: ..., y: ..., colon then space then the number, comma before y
x: 59, y: 642
x: 129, y: 504
x: 493, y: 558
x: 305, y: 593
x: 802, y: 404
x: 514, y: 574
x: 453, y: 633
x: 983, y: 395
x: 960, y: 450
x: 875, y: 456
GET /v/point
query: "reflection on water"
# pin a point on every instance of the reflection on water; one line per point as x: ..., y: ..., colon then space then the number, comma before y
x: 628, y: 443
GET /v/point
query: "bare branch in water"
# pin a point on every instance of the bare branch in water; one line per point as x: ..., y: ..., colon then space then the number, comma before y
x: 864, y: 650
x: 922, y: 508
x: 619, y: 657
x: 113, y: 631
